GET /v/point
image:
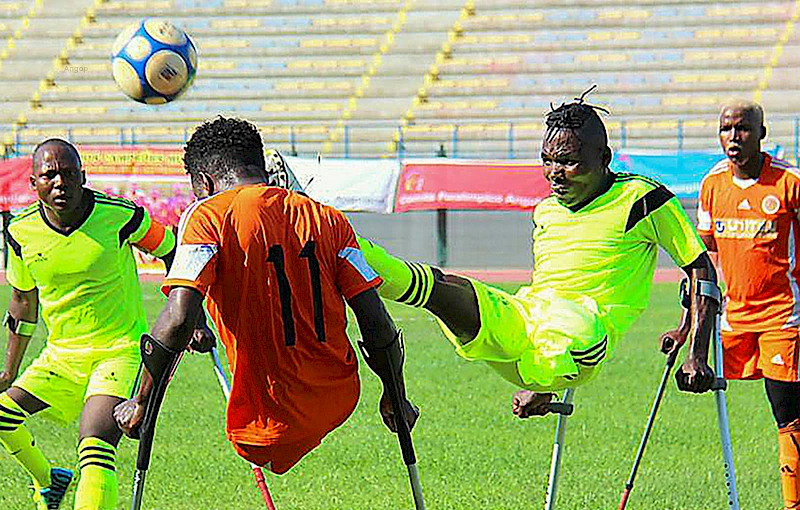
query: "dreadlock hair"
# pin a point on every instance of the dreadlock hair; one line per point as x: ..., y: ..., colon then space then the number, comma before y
x: 579, y: 117
x: 225, y: 148
x: 63, y: 143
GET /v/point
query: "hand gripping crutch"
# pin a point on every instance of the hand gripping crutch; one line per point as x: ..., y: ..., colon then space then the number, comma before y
x: 564, y: 409
x: 226, y: 390
x: 161, y: 362
x: 722, y: 419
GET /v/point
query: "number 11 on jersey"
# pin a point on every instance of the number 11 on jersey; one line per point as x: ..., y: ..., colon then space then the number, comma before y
x: 277, y: 258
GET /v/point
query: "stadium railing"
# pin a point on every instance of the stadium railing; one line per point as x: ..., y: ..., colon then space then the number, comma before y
x: 474, y: 138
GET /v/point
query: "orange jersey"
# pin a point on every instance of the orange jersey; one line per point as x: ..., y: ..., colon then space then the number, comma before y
x: 276, y: 268
x: 754, y: 223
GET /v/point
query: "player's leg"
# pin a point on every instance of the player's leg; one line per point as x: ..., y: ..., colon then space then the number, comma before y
x: 451, y: 298
x: 778, y: 362
x: 111, y: 381
x: 97, y: 455
x: 42, y: 385
x: 16, y: 406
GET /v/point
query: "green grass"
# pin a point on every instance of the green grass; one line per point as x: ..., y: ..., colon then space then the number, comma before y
x: 472, y: 452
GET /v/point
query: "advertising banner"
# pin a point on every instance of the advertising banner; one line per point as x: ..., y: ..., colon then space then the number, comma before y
x: 445, y: 184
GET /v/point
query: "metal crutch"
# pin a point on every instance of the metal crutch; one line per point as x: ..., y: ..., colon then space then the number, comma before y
x: 558, y: 447
x: 722, y: 419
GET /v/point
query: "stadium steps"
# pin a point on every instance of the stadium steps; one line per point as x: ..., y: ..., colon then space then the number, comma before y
x: 369, y: 101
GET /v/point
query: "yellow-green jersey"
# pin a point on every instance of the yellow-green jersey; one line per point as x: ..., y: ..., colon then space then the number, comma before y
x: 608, y: 249
x: 87, y: 279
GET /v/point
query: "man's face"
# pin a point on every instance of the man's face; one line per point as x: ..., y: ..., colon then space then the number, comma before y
x: 740, y: 134
x: 57, y: 179
x: 574, y: 170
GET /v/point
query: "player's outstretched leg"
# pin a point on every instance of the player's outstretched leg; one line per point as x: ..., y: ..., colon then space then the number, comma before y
x: 409, y: 283
x: 451, y: 298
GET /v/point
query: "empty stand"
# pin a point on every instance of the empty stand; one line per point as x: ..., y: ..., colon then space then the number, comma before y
x: 382, y: 78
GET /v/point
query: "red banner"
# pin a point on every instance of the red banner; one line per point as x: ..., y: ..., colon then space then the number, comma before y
x: 151, y: 176
x: 15, y: 190
x: 441, y: 184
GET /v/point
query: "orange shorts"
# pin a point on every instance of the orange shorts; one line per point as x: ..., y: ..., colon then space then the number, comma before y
x: 764, y: 354
x: 277, y: 458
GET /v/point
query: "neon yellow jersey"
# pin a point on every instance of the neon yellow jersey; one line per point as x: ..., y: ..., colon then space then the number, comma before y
x: 87, y: 279
x: 608, y: 249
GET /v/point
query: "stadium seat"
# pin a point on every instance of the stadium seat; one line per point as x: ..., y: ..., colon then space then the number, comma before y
x: 482, y: 71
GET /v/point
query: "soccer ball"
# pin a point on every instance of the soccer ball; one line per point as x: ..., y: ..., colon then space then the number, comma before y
x: 153, y: 61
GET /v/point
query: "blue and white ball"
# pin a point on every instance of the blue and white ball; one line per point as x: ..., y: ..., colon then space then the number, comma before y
x: 153, y: 61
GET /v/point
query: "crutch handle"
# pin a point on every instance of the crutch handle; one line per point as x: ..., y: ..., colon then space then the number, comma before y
x: 719, y: 384
x: 559, y: 408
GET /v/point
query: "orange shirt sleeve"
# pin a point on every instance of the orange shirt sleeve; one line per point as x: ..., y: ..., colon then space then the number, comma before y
x: 353, y: 274
x: 196, y: 256
x: 705, y: 222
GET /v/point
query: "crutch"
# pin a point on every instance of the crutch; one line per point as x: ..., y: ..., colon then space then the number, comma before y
x: 648, y: 429
x: 161, y: 362
x: 226, y: 390
x: 722, y: 419
x: 564, y: 409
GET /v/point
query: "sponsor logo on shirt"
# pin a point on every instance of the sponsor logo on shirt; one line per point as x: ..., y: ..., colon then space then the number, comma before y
x: 737, y: 228
x: 744, y: 205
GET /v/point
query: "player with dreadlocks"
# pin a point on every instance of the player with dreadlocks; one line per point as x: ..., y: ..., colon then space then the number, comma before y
x: 596, y: 240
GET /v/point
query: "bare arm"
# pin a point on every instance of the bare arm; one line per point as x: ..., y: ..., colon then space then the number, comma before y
x: 381, y: 341
x: 24, y: 305
x: 173, y: 329
x: 695, y: 375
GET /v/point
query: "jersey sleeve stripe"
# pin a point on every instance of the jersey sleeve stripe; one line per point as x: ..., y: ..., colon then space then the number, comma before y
x: 622, y: 177
x: 122, y: 202
x: 651, y: 201
x: 153, y: 238
x: 14, y: 244
x: 28, y: 211
x: 125, y: 205
x: 132, y: 225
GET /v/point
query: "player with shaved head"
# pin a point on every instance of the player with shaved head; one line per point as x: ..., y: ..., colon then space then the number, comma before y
x: 596, y: 239
x: 748, y: 216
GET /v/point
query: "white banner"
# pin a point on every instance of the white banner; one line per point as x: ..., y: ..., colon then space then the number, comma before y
x: 349, y: 184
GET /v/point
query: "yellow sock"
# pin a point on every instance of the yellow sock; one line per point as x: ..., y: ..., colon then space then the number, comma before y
x: 410, y: 283
x: 789, y: 456
x: 17, y: 440
x: 97, y: 488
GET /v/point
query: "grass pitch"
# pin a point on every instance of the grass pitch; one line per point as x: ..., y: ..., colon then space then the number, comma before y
x: 472, y: 452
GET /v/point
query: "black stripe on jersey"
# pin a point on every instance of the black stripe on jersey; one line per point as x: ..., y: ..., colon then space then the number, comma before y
x: 591, y: 350
x: 118, y: 203
x: 14, y: 244
x: 652, y: 200
x: 132, y: 226
x: 624, y: 176
x: 31, y: 209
